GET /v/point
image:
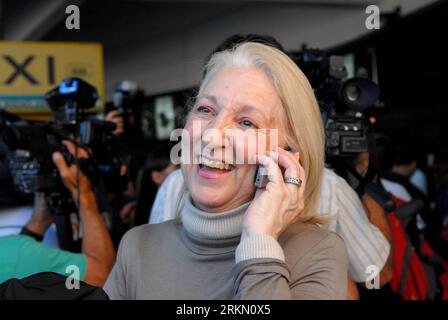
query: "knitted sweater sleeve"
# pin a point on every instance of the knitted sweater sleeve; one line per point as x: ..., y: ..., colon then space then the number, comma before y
x: 261, y: 272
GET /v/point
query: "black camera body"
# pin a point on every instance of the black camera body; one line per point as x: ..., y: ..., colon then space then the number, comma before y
x: 341, y: 102
x: 32, y: 169
x: 31, y: 146
x: 345, y: 136
x: 70, y: 99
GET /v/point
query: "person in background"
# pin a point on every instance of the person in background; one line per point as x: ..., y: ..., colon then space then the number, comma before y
x: 419, y: 180
x: 122, y: 198
x: 157, y: 167
x: 441, y: 207
x: 378, y: 217
x: 396, y: 180
x: 23, y: 255
x: 422, y: 226
x: 403, y: 165
x: 115, y: 117
x: 135, y: 211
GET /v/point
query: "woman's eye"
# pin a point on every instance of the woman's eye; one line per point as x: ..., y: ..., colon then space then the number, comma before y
x: 248, y: 124
x: 204, y: 110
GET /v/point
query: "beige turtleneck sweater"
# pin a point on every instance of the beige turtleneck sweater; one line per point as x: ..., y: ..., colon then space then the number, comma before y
x: 201, y: 257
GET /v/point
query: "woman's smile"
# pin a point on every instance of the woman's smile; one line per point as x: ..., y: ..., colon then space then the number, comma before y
x: 208, y: 172
x: 213, y: 169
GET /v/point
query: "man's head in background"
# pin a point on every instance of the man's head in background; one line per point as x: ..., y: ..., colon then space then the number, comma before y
x: 404, y: 158
x: 236, y: 39
x: 157, y: 167
x: 158, y: 164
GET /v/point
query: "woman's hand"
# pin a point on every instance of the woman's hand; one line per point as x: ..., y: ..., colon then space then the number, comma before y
x: 278, y: 205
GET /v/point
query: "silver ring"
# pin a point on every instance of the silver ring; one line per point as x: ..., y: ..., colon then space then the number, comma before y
x: 292, y: 180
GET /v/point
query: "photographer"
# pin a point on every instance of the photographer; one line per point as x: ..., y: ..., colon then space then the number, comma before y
x: 23, y: 255
x: 123, y: 196
x: 115, y: 117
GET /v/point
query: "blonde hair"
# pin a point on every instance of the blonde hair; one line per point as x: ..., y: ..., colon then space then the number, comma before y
x: 301, y: 117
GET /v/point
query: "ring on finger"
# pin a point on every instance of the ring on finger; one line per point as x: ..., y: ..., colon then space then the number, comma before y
x: 293, y: 180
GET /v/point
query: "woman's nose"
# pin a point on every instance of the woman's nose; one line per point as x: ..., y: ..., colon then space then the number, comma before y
x: 215, y: 132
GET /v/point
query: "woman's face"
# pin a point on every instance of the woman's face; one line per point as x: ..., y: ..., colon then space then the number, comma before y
x: 226, y: 126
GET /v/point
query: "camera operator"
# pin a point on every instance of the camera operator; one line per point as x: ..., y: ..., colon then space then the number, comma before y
x: 123, y: 198
x: 125, y: 113
x: 116, y: 117
x: 23, y: 255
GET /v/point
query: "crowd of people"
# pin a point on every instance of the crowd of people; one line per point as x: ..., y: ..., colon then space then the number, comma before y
x: 202, y: 230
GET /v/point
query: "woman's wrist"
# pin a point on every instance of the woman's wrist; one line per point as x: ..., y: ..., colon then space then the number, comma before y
x: 251, y: 232
x: 258, y: 246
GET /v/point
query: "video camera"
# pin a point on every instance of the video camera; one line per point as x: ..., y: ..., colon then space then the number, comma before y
x: 31, y: 146
x: 341, y: 101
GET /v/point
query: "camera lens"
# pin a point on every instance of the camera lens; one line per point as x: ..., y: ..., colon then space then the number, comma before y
x: 352, y: 93
x: 358, y: 93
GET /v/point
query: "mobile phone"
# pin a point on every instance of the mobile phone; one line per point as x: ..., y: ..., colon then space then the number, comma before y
x: 261, y: 177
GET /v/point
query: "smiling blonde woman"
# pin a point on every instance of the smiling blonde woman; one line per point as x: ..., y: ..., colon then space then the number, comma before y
x: 232, y: 240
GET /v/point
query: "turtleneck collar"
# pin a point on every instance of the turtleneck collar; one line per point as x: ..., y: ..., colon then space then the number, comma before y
x: 212, y: 226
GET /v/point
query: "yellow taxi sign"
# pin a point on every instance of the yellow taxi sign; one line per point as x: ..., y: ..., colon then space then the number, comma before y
x: 29, y: 69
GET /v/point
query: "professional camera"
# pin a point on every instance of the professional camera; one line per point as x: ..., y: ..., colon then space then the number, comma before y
x: 31, y: 146
x: 341, y: 101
